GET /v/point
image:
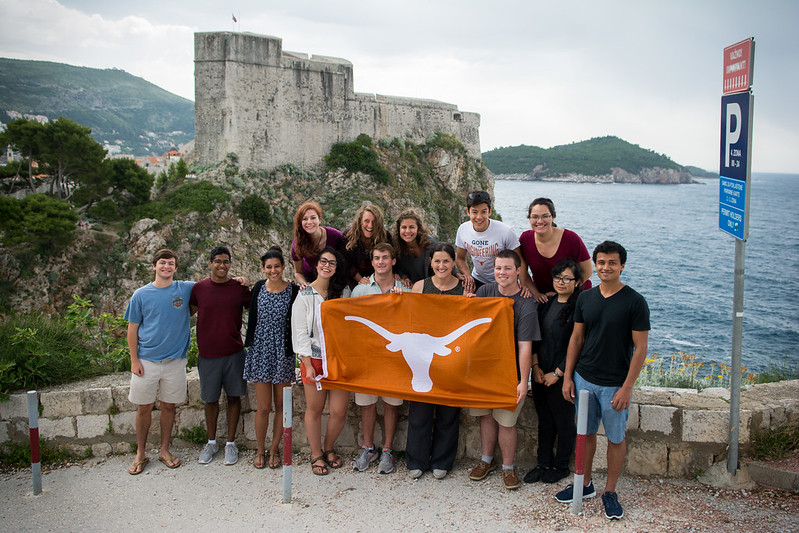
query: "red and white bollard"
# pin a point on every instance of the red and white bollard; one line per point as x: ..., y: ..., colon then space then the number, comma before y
x: 288, y: 413
x: 579, y: 453
x: 33, y: 424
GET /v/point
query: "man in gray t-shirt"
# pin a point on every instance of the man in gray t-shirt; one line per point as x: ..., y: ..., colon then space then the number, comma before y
x: 500, y: 424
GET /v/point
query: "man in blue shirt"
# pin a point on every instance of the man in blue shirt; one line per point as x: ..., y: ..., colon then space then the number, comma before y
x: 158, y: 341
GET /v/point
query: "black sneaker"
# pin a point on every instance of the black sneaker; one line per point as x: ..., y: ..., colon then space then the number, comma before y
x: 566, y: 495
x: 535, y: 475
x: 553, y: 475
x: 613, y: 509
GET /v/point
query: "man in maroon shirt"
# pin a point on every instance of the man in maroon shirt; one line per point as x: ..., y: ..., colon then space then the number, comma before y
x: 219, y: 301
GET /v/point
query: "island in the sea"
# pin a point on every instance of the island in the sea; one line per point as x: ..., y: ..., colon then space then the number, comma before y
x: 599, y: 160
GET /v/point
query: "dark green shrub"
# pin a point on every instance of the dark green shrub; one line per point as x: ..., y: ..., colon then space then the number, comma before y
x: 254, y: 209
x: 357, y: 156
x: 105, y: 211
x: 37, y: 350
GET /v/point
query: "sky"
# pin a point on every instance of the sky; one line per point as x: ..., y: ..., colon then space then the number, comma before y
x: 540, y: 73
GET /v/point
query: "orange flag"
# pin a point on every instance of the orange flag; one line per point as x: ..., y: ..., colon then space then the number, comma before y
x: 442, y: 349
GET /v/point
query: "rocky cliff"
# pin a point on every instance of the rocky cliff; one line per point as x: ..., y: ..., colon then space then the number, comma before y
x: 108, y: 264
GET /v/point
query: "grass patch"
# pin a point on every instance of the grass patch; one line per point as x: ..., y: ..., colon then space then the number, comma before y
x: 776, y: 443
x: 16, y: 455
x: 782, y: 371
x: 196, y: 435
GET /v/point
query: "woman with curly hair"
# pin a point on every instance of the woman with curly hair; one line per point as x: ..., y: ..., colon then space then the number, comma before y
x: 367, y: 229
x: 310, y: 238
x: 413, y: 247
x: 330, y: 283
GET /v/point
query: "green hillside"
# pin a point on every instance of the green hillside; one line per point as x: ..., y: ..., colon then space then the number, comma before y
x: 592, y: 157
x: 114, y: 104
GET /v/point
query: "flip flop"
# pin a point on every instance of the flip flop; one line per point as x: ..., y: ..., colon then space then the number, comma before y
x: 333, y: 459
x: 274, y: 460
x: 138, y: 466
x: 319, y: 470
x: 262, y: 463
x: 171, y: 461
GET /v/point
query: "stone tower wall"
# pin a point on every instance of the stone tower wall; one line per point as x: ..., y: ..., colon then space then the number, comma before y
x: 272, y: 107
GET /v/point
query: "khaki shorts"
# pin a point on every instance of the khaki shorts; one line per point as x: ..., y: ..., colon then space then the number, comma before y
x: 169, y: 375
x: 502, y: 416
x: 370, y: 399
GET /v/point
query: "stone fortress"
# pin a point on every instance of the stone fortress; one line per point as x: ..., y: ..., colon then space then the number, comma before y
x: 271, y: 107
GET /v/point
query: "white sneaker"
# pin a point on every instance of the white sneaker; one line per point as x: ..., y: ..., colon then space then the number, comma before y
x: 439, y: 474
x: 231, y: 453
x: 207, y: 455
x: 415, y: 474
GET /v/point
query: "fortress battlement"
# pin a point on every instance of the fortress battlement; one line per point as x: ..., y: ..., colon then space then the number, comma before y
x: 272, y: 107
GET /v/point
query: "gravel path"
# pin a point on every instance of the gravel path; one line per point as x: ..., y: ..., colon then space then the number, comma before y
x: 99, y: 495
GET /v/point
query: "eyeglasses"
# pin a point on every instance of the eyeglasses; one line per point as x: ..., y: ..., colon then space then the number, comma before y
x: 221, y: 261
x: 563, y: 279
x: 327, y: 262
x: 536, y: 218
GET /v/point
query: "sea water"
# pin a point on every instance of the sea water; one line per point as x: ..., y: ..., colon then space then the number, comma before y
x: 680, y: 261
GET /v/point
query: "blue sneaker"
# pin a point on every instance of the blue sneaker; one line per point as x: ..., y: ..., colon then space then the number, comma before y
x: 613, y: 509
x: 567, y: 494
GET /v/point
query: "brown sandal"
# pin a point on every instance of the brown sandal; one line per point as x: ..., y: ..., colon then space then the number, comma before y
x: 259, y: 464
x: 138, y: 466
x: 333, y: 459
x: 274, y: 460
x: 319, y: 470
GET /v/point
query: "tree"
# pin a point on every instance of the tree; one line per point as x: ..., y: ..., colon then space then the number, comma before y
x: 181, y: 168
x: 130, y: 182
x: 70, y: 153
x: 24, y: 136
x: 37, y: 218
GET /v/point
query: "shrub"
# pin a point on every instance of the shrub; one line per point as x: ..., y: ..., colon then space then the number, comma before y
x: 105, y: 210
x: 357, y: 156
x: 36, y: 350
x: 254, y: 209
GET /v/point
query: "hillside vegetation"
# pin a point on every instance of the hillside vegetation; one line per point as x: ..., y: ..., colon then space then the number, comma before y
x: 114, y: 104
x: 595, y: 156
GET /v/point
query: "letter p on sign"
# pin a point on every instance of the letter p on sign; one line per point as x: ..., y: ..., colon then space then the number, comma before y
x: 733, y: 133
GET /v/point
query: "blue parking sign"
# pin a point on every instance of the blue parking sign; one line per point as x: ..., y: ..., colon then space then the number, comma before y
x: 736, y: 137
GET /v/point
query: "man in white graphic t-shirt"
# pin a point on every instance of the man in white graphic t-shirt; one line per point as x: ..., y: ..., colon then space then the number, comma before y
x: 482, y: 239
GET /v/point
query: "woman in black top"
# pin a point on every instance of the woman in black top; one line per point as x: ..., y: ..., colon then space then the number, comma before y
x: 555, y: 414
x: 433, y: 429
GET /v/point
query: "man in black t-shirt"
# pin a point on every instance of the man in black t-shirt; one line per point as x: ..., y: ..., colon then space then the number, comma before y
x: 605, y: 356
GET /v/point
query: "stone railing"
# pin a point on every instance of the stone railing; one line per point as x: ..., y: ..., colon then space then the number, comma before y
x: 671, y: 432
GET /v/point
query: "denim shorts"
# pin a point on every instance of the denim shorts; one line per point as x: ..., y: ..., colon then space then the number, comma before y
x: 599, y: 409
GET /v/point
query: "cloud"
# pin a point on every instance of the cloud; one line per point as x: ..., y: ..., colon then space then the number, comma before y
x: 48, y: 31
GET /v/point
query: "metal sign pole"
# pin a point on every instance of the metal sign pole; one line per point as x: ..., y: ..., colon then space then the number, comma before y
x: 735, y: 370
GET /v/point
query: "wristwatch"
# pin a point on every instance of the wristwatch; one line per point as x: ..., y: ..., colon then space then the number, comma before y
x: 557, y: 373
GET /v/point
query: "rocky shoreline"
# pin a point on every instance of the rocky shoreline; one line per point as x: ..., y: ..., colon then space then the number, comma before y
x: 654, y: 175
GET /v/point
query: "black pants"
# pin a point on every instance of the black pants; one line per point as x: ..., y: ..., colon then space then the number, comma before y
x: 432, y: 436
x: 555, y: 419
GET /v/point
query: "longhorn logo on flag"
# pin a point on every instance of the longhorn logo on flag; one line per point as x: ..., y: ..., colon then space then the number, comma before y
x: 449, y: 350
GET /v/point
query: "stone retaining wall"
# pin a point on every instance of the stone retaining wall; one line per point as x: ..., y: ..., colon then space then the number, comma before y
x: 671, y: 432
